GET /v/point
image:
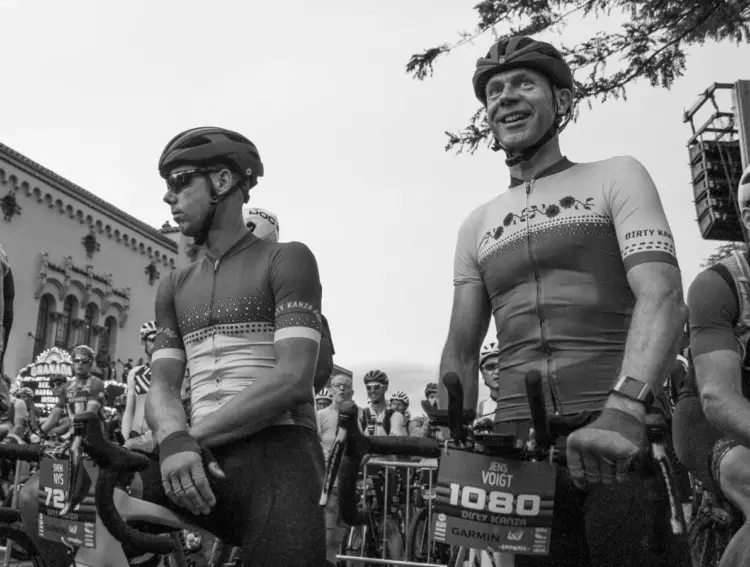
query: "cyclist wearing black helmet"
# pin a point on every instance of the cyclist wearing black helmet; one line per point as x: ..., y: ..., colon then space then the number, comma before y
x: 576, y: 262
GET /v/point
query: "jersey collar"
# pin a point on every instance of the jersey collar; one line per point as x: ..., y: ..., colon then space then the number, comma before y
x: 243, y: 242
x: 561, y: 165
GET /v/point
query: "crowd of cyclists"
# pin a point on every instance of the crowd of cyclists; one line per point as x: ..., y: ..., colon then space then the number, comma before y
x: 575, y: 263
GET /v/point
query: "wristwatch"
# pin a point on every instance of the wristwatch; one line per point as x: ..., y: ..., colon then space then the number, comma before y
x: 634, y: 389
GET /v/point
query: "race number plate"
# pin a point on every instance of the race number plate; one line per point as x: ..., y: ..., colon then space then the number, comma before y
x: 485, y: 501
x: 78, y: 527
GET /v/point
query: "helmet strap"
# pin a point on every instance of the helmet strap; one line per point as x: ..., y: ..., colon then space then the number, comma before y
x: 202, y: 236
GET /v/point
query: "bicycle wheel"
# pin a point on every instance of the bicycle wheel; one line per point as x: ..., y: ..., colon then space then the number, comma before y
x: 24, y: 552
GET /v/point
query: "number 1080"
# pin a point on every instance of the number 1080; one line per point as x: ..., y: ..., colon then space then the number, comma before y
x: 497, y: 502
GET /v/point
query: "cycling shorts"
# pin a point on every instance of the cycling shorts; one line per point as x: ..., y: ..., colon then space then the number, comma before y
x: 268, y: 504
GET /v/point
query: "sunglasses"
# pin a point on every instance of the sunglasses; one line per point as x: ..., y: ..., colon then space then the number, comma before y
x: 176, y: 182
x: 371, y: 387
x: 79, y: 360
x: 490, y: 367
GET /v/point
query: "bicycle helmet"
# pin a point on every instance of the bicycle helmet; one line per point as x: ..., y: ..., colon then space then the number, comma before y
x: 743, y: 190
x: 324, y: 394
x: 21, y: 391
x: 400, y: 396
x: 262, y: 223
x: 84, y: 349
x: 376, y: 376
x: 147, y: 330
x: 489, y: 350
x: 211, y: 145
x: 431, y: 388
x: 527, y: 53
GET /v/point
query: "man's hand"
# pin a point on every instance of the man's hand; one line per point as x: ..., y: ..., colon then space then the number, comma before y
x: 183, y: 475
x: 603, y: 451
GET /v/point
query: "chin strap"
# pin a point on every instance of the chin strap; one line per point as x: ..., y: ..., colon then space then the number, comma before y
x: 202, y: 236
x: 514, y: 158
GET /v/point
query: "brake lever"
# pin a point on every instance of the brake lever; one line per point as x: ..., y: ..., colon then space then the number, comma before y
x: 78, y: 487
x: 332, y: 467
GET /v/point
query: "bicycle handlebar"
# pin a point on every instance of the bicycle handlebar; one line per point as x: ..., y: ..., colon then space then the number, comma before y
x: 114, y: 460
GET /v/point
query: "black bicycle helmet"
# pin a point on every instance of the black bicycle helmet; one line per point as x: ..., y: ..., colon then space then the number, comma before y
x: 208, y: 145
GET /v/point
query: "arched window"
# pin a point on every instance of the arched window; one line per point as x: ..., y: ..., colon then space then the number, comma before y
x: 87, y: 335
x: 43, y: 323
x: 109, y: 336
x: 64, y: 337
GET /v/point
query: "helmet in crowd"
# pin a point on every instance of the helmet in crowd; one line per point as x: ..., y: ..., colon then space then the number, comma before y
x: 212, y: 146
x: 521, y: 52
x: 148, y: 329
x: 488, y: 350
x: 743, y: 190
x: 21, y: 392
x: 324, y: 394
x: 431, y: 388
x: 262, y: 223
x: 121, y: 401
x: 84, y: 349
x: 376, y: 376
x: 400, y: 396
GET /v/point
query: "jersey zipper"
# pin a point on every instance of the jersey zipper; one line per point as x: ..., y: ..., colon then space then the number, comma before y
x: 544, y: 339
x: 211, y: 325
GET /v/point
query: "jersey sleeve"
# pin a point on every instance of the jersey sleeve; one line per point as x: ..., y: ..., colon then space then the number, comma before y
x: 713, y: 310
x: 295, y: 282
x: 168, y: 341
x: 98, y: 393
x: 642, y: 229
x: 466, y: 259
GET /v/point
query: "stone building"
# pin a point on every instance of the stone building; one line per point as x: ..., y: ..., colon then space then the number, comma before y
x: 85, y: 271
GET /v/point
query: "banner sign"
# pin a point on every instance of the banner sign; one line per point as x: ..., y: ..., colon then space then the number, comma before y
x: 484, y: 501
x: 78, y: 527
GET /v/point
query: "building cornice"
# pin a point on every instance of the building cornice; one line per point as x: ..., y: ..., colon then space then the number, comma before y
x: 78, y: 194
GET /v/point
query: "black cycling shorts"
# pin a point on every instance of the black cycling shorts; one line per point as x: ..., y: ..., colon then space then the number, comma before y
x: 268, y: 504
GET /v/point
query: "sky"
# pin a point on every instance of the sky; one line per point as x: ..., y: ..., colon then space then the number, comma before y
x: 353, y: 147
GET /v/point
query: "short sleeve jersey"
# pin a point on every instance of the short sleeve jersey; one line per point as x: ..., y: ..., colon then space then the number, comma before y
x: 553, y: 255
x: 224, y: 315
x: 713, y: 303
x: 139, y: 383
x: 74, y: 398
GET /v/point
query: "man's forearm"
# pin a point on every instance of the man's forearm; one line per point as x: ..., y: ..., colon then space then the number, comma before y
x: 467, y: 368
x: 253, y: 409
x: 653, y: 339
x: 164, y: 412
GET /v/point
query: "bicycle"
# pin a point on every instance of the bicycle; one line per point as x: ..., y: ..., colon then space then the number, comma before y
x: 536, y: 454
x: 107, y: 539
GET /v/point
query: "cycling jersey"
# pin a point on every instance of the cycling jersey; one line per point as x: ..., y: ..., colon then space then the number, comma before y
x: 222, y: 315
x: 74, y: 397
x: 553, y: 254
x: 373, y: 423
x: 139, y: 383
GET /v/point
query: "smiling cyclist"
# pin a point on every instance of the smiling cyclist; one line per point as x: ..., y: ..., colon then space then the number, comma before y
x: 576, y: 262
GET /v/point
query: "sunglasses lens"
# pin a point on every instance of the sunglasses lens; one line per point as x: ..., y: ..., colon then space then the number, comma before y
x: 178, y: 181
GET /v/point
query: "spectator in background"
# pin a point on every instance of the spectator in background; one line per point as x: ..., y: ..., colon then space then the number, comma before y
x: 328, y: 418
x: 7, y: 295
x: 126, y: 368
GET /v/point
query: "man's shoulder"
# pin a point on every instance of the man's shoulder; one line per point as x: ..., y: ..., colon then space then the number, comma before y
x: 713, y: 282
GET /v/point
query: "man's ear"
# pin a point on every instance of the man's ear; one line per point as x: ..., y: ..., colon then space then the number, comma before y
x: 564, y: 98
x: 222, y: 181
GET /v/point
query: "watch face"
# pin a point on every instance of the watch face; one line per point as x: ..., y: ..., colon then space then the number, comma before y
x: 632, y: 388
